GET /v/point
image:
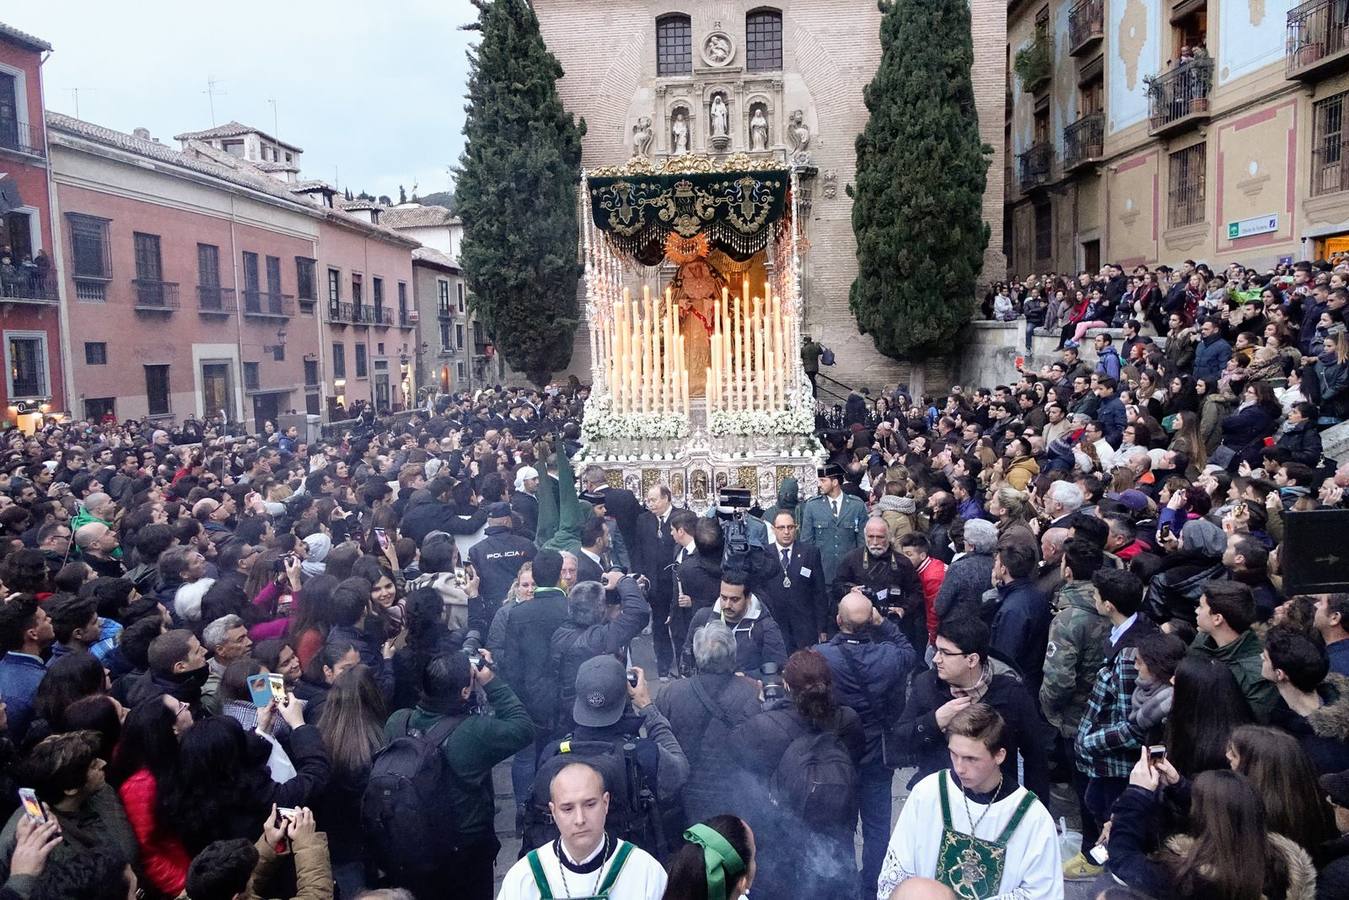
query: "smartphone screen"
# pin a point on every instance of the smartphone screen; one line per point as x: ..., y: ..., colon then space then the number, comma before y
x: 382, y: 538
x: 32, y: 806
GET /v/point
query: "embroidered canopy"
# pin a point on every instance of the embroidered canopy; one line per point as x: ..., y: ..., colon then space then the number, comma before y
x: 732, y: 203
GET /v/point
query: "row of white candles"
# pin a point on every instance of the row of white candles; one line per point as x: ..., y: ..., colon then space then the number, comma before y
x: 644, y: 358
x: 751, y: 341
x: 646, y: 368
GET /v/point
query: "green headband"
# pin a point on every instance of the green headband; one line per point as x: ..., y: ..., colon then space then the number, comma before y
x: 719, y: 857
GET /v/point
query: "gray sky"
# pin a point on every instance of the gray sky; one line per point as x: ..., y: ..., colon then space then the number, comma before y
x: 373, y: 92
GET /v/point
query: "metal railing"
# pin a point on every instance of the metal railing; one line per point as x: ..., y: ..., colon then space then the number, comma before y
x: 212, y: 299
x: 1330, y: 168
x: 405, y: 319
x: 91, y: 290
x: 21, y: 137
x: 361, y: 314
x: 1180, y: 93
x: 1083, y: 139
x: 18, y: 286
x: 268, y: 304
x: 1316, y: 30
x: 381, y: 316
x: 1186, y: 194
x: 1086, y: 21
x: 155, y: 296
x: 443, y: 311
x: 1034, y: 166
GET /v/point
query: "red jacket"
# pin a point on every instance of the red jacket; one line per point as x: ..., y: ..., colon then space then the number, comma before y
x: 931, y: 574
x: 164, y: 859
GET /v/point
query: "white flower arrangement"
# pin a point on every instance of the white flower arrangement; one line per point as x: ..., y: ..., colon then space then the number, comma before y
x: 601, y: 423
x: 797, y: 418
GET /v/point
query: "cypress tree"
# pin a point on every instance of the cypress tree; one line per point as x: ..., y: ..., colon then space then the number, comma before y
x: 516, y: 192
x: 921, y: 171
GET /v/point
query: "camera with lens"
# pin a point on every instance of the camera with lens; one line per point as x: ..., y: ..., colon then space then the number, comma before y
x: 473, y: 648
x: 774, y: 691
x: 732, y: 504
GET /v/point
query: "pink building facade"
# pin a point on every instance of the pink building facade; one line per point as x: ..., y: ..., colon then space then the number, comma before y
x: 196, y: 287
x: 30, y: 299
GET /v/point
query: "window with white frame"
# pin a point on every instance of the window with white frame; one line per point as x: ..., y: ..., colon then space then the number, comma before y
x: 26, y: 364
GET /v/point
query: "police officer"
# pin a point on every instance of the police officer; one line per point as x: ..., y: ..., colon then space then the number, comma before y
x: 499, y: 556
x: 833, y: 522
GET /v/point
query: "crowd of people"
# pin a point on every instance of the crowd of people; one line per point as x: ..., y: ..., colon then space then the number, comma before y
x: 258, y: 666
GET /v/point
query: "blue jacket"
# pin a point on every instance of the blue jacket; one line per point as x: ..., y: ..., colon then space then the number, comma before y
x: 1113, y: 419
x: 1210, y: 358
x: 870, y: 671
x: 1021, y: 629
x: 20, y: 675
x: 1108, y: 363
x: 833, y: 537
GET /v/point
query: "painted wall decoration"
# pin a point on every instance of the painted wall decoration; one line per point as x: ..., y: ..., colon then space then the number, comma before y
x: 1133, y: 49
x: 1251, y: 35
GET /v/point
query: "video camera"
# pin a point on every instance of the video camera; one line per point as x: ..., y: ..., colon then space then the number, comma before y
x: 737, y: 502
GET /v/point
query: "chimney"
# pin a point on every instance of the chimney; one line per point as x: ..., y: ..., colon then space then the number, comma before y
x: 142, y: 133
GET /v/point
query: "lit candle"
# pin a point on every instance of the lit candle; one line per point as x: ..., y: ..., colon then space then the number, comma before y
x: 780, y: 353
x: 619, y: 319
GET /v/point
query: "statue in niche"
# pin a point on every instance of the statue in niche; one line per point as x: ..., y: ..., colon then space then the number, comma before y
x: 642, y: 135
x: 679, y: 133
x: 798, y: 132
x: 720, y: 114
x: 758, y: 129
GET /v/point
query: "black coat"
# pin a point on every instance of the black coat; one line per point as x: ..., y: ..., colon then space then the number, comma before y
x: 526, y: 508
x: 1026, y: 732
x: 757, y: 640
x: 702, y: 734
x: 625, y: 509
x: 801, y: 607
x: 498, y: 558
x: 653, y: 555
x: 700, y: 579
x: 528, y: 633
x: 1244, y: 431
x: 575, y: 642
x: 424, y: 516
x: 1303, y: 443
x: 1332, y: 877
x: 1021, y: 629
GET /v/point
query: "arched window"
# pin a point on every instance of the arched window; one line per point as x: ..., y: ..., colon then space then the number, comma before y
x: 674, y: 45
x: 763, y: 40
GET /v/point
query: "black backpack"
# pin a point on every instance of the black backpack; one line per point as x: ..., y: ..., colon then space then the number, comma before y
x: 815, y: 781
x: 632, y: 804
x: 407, y: 821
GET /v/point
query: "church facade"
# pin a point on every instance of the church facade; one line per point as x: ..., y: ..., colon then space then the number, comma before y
x: 658, y: 79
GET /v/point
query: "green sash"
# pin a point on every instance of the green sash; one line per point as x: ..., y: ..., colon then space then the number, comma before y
x: 546, y: 892
x: 971, y: 866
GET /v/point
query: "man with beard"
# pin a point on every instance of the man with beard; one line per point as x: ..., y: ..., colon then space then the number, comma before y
x: 889, y: 577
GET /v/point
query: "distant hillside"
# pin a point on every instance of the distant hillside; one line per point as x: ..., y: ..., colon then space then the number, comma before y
x: 440, y: 198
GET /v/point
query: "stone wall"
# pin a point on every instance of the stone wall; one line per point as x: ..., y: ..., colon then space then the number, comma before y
x: 831, y: 49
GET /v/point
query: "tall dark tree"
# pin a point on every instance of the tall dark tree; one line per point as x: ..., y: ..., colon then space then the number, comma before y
x: 516, y: 192
x: 921, y: 171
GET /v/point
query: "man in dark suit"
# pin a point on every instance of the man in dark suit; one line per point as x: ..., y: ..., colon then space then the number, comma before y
x: 620, y: 504
x: 653, y: 554
x: 791, y: 583
x: 700, y: 573
x: 591, y: 562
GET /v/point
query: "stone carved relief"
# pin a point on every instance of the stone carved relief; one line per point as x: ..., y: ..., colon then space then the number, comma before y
x: 830, y: 184
x: 718, y: 49
x: 798, y: 132
x: 758, y: 128
x: 679, y: 131
x: 642, y: 135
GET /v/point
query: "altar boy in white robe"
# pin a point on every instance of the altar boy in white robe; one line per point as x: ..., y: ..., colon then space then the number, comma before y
x: 968, y: 829
x: 584, y: 861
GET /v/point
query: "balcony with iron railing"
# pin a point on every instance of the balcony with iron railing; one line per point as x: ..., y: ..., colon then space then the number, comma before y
x: 268, y: 304
x: 1330, y: 168
x: 155, y: 296
x: 1082, y: 141
x: 381, y: 316
x: 214, y: 300
x: 362, y: 314
x: 29, y: 287
x: 1179, y: 98
x: 339, y: 313
x: 1086, y: 25
x: 1318, y: 40
x: 21, y: 137
x: 1035, y: 166
x: 407, y: 318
